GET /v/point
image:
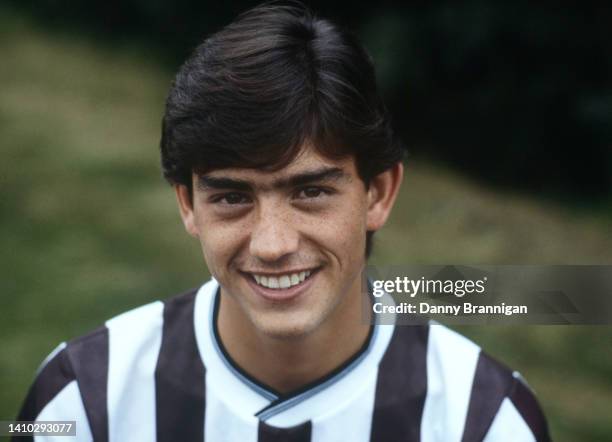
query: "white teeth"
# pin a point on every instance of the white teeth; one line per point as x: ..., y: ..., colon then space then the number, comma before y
x: 283, y: 282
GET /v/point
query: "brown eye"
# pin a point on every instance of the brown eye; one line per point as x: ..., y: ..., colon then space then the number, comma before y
x: 312, y: 193
x: 232, y: 198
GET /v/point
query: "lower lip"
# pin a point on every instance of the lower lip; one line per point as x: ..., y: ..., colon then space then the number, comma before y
x: 281, y: 295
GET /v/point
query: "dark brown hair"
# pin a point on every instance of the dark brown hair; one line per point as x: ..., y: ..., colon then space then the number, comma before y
x: 277, y: 77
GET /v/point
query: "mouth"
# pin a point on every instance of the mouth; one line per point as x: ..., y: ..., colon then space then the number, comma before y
x: 281, y: 287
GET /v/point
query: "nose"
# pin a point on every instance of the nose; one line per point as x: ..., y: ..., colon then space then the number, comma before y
x: 274, y: 235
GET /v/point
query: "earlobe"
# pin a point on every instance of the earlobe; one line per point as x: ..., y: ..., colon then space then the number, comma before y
x: 185, y: 204
x: 382, y: 193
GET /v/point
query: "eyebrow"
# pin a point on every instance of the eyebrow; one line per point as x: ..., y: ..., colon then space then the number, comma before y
x: 325, y: 174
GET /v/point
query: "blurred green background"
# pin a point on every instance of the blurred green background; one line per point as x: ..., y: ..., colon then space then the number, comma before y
x: 507, y: 111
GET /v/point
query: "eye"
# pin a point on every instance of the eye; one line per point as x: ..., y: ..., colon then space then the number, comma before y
x: 311, y: 192
x: 232, y: 198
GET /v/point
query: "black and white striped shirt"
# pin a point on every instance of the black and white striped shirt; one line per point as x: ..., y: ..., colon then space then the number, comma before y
x: 160, y: 373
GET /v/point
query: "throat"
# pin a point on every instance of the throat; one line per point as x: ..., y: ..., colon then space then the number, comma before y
x: 283, y: 365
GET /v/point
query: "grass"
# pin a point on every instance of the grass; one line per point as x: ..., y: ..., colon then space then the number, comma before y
x: 89, y: 229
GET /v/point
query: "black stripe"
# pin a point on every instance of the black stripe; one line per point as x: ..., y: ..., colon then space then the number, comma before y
x: 179, y: 375
x: 299, y: 433
x: 401, y: 387
x: 527, y: 405
x: 492, y: 383
x: 52, y: 379
x: 89, y: 358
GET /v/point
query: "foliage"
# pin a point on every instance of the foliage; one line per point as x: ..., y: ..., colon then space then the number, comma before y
x: 517, y: 93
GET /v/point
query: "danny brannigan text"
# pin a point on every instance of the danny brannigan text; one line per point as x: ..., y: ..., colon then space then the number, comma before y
x: 466, y: 308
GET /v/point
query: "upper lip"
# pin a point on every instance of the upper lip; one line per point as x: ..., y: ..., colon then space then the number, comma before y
x: 284, y: 272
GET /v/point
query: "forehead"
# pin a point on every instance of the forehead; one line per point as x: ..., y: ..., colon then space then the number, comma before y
x: 307, y: 161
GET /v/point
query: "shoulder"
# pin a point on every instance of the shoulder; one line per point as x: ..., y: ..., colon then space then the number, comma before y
x: 76, y: 374
x: 133, y: 334
x: 502, y: 405
x: 458, y: 389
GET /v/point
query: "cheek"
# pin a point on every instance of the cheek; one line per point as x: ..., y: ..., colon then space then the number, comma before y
x: 220, y: 242
x: 342, y: 229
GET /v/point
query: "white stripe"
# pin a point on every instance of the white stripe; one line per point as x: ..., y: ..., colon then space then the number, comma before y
x: 358, y: 381
x: 223, y: 424
x: 321, y: 387
x: 327, y: 401
x: 353, y: 420
x: 224, y: 383
x: 134, y: 343
x: 51, y: 356
x: 223, y: 386
x: 509, y: 426
x: 451, y: 364
x: 67, y: 405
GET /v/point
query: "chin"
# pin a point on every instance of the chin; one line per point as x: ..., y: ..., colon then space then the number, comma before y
x: 285, y: 328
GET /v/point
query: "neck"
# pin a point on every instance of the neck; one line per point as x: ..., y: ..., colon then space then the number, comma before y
x: 286, y: 364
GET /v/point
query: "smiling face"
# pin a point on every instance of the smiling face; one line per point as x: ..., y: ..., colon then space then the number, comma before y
x: 287, y: 247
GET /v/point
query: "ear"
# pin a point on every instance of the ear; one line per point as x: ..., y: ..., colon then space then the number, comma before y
x: 382, y: 192
x: 185, y: 204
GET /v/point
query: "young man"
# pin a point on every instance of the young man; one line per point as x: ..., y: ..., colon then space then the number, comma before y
x: 284, y: 164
